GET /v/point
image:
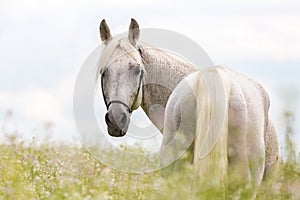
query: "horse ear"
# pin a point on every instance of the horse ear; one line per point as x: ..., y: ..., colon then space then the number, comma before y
x: 104, y: 31
x: 134, y: 32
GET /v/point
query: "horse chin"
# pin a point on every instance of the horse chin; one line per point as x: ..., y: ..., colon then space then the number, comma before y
x: 116, y: 133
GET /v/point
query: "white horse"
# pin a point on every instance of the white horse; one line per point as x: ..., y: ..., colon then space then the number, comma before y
x: 130, y: 71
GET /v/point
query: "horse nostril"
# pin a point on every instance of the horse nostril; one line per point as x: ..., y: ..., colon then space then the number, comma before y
x: 107, y: 120
x: 118, y: 122
x: 123, y: 120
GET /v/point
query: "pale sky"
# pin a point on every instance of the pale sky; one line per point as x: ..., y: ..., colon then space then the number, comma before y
x: 44, y: 43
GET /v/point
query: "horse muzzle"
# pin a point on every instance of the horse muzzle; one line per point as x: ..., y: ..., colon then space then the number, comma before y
x: 117, y: 120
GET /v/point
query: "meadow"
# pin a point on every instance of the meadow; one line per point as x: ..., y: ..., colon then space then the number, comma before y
x: 47, y: 170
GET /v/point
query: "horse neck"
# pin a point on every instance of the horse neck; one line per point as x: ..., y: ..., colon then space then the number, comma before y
x: 163, y: 72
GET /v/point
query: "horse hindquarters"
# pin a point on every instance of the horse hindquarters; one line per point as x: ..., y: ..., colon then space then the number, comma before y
x: 246, y: 145
x: 238, y: 164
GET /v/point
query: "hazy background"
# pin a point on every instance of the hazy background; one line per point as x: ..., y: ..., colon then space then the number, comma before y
x: 44, y: 43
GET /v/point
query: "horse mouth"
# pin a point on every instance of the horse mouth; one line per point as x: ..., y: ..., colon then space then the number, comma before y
x: 116, y: 132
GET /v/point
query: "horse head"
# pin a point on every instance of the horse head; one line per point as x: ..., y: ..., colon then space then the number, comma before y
x: 121, y: 77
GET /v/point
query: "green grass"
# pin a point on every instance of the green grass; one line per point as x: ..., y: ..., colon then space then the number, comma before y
x: 60, y: 171
x: 64, y: 172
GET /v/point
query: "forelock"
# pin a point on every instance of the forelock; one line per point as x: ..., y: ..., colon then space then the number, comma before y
x: 118, y: 42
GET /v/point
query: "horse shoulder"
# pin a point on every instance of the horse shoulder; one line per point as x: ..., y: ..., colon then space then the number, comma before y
x: 179, y: 125
x: 180, y: 109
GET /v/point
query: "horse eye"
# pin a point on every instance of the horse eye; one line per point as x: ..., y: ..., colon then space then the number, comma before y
x: 135, y: 68
x: 137, y: 71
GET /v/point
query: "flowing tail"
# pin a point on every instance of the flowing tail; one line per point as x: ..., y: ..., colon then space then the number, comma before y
x: 212, y: 91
